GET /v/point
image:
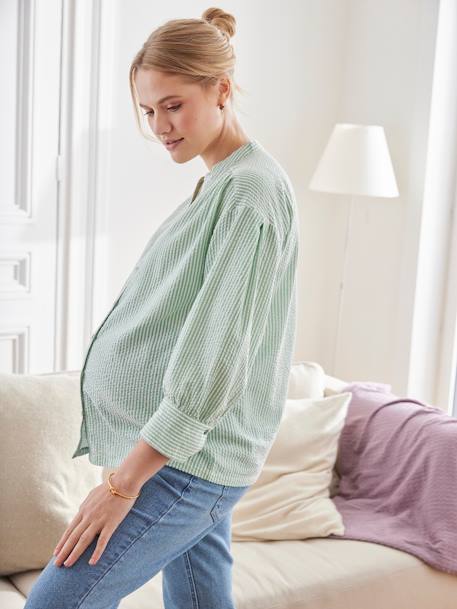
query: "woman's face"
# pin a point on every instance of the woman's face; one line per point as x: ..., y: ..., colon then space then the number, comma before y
x: 189, y: 112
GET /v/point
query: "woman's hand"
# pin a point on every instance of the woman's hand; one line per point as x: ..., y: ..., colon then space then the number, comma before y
x: 101, y: 512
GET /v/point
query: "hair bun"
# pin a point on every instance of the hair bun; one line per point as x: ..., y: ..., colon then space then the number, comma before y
x: 222, y: 20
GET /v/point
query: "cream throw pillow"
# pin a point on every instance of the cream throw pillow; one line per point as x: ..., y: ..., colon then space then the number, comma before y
x: 290, y: 499
x: 42, y: 487
x: 306, y: 380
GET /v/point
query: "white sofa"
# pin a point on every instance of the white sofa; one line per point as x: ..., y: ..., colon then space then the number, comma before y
x: 315, y: 573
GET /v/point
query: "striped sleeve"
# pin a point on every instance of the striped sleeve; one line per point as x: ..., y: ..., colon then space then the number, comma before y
x: 209, y: 366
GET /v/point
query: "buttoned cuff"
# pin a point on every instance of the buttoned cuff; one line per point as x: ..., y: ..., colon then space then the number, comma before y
x: 174, y: 433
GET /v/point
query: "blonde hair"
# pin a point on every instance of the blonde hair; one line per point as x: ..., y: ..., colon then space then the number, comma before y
x: 197, y: 49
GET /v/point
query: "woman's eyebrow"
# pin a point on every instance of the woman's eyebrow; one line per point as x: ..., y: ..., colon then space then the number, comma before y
x: 160, y: 100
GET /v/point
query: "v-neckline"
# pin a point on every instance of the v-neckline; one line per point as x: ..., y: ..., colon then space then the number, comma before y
x: 197, y: 188
x: 224, y: 164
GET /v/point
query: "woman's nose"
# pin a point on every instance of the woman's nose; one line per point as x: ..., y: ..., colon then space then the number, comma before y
x: 161, y: 127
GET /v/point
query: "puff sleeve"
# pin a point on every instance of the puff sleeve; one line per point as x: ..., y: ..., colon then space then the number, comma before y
x: 208, y: 370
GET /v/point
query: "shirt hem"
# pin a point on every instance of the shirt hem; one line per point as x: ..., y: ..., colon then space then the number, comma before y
x: 215, y: 477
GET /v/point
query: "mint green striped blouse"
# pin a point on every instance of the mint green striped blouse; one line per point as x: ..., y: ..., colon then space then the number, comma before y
x: 195, y: 354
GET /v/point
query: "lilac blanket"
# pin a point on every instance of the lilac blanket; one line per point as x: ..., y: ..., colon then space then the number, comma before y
x: 398, y: 465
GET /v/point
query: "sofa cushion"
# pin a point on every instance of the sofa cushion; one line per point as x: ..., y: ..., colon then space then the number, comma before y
x: 10, y: 597
x: 43, y: 486
x: 290, y: 499
x: 306, y: 380
x: 312, y: 574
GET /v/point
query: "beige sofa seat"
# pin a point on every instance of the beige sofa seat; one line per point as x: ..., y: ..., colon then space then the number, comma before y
x: 308, y: 574
x: 10, y: 596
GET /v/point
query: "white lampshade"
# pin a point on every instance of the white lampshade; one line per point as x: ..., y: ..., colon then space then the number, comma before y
x: 356, y: 161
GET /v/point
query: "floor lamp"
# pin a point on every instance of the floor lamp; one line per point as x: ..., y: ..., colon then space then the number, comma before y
x: 356, y: 161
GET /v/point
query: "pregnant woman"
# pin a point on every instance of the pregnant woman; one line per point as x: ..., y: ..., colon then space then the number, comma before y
x: 184, y: 382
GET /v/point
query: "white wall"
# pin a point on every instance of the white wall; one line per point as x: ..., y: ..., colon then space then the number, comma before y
x: 388, y: 71
x: 306, y: 65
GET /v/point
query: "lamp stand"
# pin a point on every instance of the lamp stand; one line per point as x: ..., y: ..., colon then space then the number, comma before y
x: 342, y: 283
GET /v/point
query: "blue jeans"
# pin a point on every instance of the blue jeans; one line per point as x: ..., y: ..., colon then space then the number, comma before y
x: 180, y: 524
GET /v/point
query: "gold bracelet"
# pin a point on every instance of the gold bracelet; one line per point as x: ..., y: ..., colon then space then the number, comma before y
x: 113, y: 491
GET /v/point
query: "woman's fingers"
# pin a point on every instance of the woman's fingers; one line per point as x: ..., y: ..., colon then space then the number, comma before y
x: 103, y: 539
x: 100, y: 513
x: 81, y: 532
x: 84, y: 541
x: 66, y: 534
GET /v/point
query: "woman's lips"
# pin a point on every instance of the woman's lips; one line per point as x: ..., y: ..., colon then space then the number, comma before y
x: 174, y: 144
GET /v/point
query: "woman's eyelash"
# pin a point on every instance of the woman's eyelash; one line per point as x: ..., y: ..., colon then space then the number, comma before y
x: 174, y: 108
